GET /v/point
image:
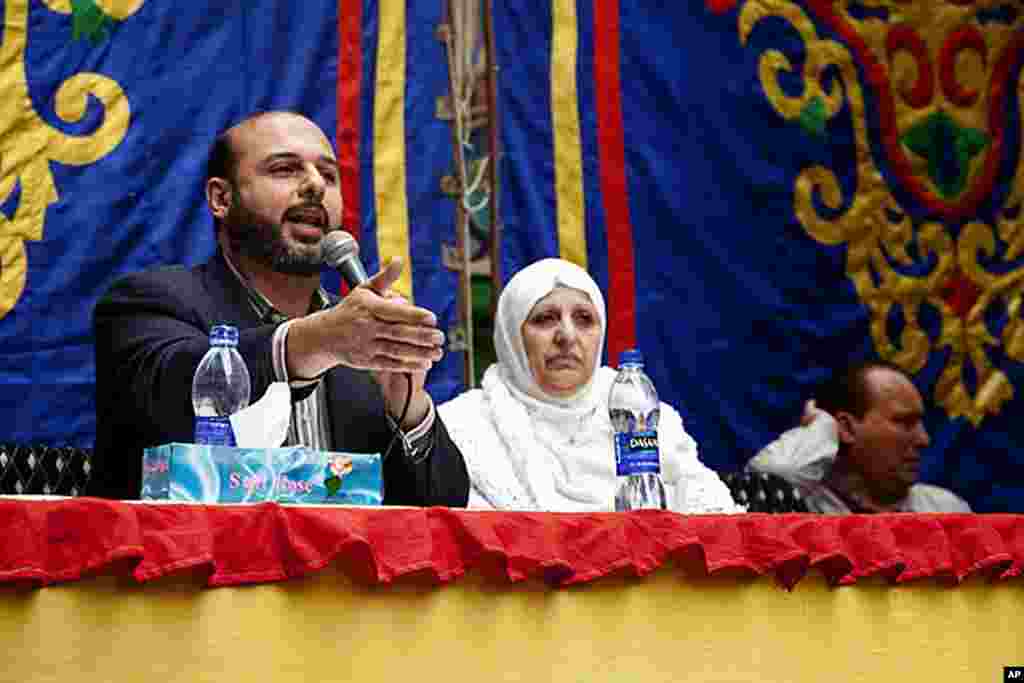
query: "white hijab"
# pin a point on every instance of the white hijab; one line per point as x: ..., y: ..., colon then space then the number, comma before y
x: 557, y: 451
x: 520, y: 295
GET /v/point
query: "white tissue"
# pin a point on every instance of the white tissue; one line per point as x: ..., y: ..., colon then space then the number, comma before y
x: 264, y: 424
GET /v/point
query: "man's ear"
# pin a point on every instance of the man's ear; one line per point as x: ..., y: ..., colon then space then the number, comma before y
x: 218, y: 197
x: 846, y: 427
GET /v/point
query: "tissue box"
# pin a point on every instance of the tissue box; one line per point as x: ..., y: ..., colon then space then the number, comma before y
x: 221, y: 474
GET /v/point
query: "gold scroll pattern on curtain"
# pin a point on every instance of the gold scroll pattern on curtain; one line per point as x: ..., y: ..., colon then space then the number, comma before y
x: 934, y: 72
x: 28, y: 144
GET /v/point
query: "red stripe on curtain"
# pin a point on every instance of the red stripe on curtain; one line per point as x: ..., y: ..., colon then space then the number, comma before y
x: 350, y: 74
x: 612, y: 156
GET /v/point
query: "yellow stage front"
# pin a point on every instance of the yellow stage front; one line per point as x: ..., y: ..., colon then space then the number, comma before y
x: 663, y: 627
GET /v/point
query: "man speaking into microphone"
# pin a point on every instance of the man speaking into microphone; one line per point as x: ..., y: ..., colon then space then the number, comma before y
x: 356, y: 367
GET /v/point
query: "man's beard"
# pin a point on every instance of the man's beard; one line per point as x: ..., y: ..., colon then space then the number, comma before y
x: 265, y: 244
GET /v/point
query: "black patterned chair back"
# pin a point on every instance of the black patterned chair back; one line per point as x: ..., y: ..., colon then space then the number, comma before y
x: 764, y: 492
x: 35, y: 469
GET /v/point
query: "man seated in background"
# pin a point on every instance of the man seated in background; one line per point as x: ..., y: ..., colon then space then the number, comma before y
x: 858, y: 447
x: 355, y: 368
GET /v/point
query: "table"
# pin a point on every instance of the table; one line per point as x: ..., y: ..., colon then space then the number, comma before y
x: 99, y: 590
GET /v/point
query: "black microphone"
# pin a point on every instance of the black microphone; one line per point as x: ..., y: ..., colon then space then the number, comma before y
x: 341, y: 252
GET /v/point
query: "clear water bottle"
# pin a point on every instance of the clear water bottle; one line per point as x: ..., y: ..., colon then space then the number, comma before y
x: 633, y: 409
x: 220, y: 388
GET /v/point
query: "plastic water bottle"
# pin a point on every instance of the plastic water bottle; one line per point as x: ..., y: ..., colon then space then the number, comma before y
x: 220, y: 388
x: 633, y: 409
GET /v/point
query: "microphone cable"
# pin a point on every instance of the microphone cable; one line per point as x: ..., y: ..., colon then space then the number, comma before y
x: 398, y: 425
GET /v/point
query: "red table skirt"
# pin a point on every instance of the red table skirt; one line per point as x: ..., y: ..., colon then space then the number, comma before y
x: 48, y: 541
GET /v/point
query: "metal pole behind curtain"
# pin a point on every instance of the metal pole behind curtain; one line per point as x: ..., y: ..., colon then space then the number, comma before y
x: 470, y: 106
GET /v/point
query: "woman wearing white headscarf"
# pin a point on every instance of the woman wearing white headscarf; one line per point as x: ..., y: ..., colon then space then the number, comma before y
x: 537, y: 435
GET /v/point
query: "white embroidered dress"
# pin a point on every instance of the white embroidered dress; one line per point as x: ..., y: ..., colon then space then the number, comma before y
x: 528, y: 451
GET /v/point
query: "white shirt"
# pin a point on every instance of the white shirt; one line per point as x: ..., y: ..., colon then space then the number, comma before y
x: 804, y: 457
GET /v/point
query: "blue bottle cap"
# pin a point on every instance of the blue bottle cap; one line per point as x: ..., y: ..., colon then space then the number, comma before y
x: 632, y: 357
x: 224, y: 335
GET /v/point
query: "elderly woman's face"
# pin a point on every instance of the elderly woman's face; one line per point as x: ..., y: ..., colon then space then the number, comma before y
x: 561, y: 335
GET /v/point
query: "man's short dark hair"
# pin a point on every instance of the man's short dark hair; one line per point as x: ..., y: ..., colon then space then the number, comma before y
x: 223, y: 159
x: 222, y: 162
x: 847, y: 390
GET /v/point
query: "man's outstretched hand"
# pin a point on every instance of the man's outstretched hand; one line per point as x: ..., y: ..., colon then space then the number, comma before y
x: 376, y: 329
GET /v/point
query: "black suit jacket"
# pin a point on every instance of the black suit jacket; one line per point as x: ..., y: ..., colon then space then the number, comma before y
x: 151, y: 331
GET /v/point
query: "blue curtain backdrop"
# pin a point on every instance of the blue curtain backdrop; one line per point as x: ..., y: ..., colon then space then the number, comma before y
x: 781, y: 222
x: 186, y: 70
x: 807, y: 184
x: 130, y: 197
